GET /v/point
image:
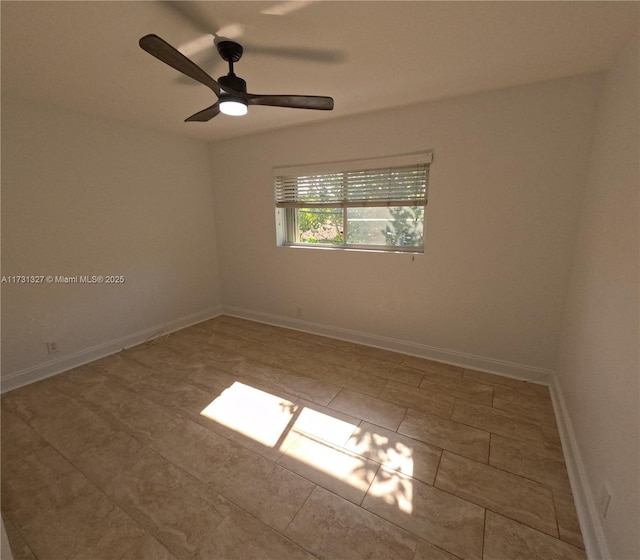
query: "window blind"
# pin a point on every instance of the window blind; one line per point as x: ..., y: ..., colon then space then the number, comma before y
x: 391, y: 185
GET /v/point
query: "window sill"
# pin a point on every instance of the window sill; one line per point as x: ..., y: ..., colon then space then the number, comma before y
x: 358, y: 249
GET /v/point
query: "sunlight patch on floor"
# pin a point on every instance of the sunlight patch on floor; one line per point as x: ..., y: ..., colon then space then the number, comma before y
x: 316, y: 440
x: 320, y: 425
x: 394, y: 455
x: 349, y: 468
x: 394, y: 488
x: 256, y: 414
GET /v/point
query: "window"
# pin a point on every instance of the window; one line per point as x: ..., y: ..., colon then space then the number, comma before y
x: 367, y: 204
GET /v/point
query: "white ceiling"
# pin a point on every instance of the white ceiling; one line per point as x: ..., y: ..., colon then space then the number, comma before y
x: 84, y: 55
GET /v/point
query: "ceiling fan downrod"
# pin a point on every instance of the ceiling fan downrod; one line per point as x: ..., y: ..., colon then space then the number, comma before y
x: 231, y: 52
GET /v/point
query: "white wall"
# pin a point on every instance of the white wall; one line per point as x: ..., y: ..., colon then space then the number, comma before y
x: 598, y: 365
x: 86, y: 196
x: 507, y: 177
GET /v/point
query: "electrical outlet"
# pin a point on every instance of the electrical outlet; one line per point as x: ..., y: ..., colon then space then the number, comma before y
x: 605, y: 499
x: 52, y: 347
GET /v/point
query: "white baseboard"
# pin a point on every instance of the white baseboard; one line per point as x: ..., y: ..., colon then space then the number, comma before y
x: 469, y: 361
x: 41, y: 371
x: 592, y: 533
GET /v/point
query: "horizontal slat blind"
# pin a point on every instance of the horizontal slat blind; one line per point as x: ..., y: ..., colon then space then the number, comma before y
x: 400, y: 185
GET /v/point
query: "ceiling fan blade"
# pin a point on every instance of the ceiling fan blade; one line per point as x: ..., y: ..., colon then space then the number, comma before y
x: 206, y: 114
x: 164, y: 52
x: 209, y: 61
x: 197, y: 14
x: 293, y: 101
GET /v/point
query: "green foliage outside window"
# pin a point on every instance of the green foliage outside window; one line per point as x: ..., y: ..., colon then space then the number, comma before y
x: 406, y: 226
x: 402, y: 226
x: 321, y: 225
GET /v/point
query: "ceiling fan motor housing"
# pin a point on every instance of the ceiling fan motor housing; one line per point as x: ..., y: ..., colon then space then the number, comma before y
x: 229, y: 50
x: 233, y: 82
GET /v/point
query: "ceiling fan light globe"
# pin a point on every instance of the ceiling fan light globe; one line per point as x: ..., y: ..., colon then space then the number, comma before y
x: 233, y: 107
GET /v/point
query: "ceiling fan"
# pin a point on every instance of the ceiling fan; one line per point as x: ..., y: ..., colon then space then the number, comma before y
x: 231, y: 90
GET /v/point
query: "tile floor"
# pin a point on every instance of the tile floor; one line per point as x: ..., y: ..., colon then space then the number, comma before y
x: 237, y: 440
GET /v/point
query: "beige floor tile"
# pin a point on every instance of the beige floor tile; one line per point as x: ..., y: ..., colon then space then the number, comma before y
x: 227, y: 323
x: 270, y: 453
x: 533, y: 407
x: 61, y: 514
x: 40, y: 481
x: 331, y: 527
x: 63, y: 422
x: 122, y: 367
x: 77, y: 381
x: 392, y: 372
x: 200, y: 339
x: 441, y: 518
x: 300, y: 346
x: 529, y: 460
x: 18, y: 439
x: 158, y: 355
x: 189, y: 335
x: 446, y: 434
x: 165, y: 481
x: 427, y: 551
x: 321, y: 423
x: 19, y: 548
x: 329, y: 343
x: 429, y: 366
x: 304, y: 365
x: 467, y: 389
x: 184, y: 399
x: 507, y: 539
x: 371, y: 409
x: 176, y: 508
x: 221, y: 358
x: 497, y: 421
x: 509, y: 494
x: 396, y: 452
x: 333, y: 356
x: 379, y: 354
x: 184, y: 356
x: 336, y: 469
x: 222, y: 341
x: 251, y: 414
x: 551, y: 439
x: 568, y: 523
x: 267, y: 355
x: 266, y: 335
x: 242, y: 537
x: 151, y: 354
x: 258, y: 371
x: 323, y: 341
x: 92, y: 527
x: 354, y: 379
x: 504, y: 381
x: 123, y: 408
x: 211, y: 380
x: 423, y: 400
x: 315, y: 390
x: 270, y: 492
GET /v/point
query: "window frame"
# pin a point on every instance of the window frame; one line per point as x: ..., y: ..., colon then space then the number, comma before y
x: 287, y: 208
